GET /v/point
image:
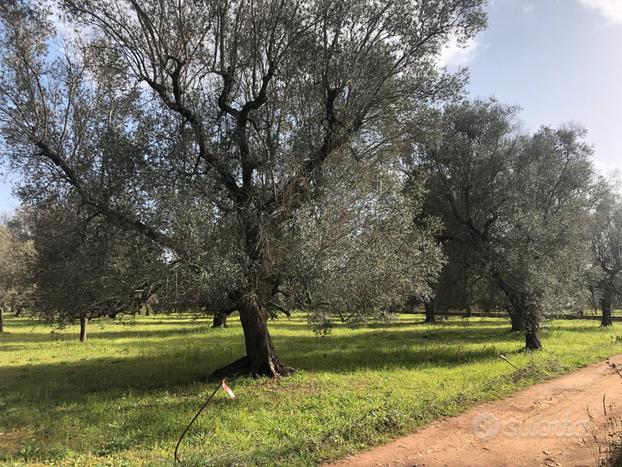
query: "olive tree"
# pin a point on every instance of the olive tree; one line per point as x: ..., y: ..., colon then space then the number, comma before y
x: 206, y: 126
x: 84, y: 269
x: 519, y: 203
x: 607, y: 251
x: 16, y: 256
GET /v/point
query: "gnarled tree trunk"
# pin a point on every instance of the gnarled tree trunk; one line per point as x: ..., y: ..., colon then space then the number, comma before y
x: 605, y: 305
x: 261, y: 358
x: 1, y: 318
x: 517, y: 309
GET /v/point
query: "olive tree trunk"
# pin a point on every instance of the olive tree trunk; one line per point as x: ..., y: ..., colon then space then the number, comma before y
x: 532, y: 326
x: 524, y: 317
x: 429, y: 313
x: 517, y: 309
x: 1, y: 318
x: 83, y: 322
x: 532, y: 340
x: 220, y: 320
x: 261, y: 358
x: 517, y: 320
x: 605, y: 304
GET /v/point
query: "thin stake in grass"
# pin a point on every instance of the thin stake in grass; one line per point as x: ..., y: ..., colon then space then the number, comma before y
x: 221, y: 384
x: 505, y: 359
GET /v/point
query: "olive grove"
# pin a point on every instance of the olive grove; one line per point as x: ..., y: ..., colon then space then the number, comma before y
x: 260, y: 157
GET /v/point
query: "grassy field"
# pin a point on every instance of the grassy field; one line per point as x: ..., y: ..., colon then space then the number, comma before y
x: 124, y: 397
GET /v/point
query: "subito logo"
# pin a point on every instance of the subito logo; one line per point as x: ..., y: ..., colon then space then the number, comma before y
x: 486, y: 426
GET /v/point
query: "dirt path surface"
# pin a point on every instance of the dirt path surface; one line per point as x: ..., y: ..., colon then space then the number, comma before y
x: 550, y: 424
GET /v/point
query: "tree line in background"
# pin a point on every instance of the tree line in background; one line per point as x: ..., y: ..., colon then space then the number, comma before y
x: 273, y: 155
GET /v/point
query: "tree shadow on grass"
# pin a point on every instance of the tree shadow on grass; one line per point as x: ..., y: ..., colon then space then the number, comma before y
x: 297, y: 324
x: 417, y: 320
x: 189, y: 356
x: 110, y: 377
x: 129, y: 333
x: 586, y: 326
x: 172, y: 321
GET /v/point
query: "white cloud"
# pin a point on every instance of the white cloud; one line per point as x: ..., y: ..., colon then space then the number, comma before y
x: 610, y: 9
x: 456, y: 55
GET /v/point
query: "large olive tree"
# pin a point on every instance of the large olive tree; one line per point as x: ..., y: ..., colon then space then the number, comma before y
x: 607, y: 252
x: 518, y: 203
x: 206, y: 126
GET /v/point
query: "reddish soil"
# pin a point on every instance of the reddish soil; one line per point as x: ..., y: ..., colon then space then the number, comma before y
x: 558, y: 423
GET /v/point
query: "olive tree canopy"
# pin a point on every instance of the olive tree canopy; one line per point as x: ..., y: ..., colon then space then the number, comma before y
x: 519, y: 203
x: 206, y: 126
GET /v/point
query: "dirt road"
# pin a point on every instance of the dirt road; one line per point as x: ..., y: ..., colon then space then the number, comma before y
x: 558, y: 423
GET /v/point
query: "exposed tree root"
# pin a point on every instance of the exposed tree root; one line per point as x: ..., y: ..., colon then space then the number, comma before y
x: 243, y: 367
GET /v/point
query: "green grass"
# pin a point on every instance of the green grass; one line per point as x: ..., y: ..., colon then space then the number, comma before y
x: 124, y: 396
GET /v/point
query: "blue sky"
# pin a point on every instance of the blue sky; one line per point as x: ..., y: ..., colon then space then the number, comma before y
x: 560, y: 60
x: 7, y: 201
